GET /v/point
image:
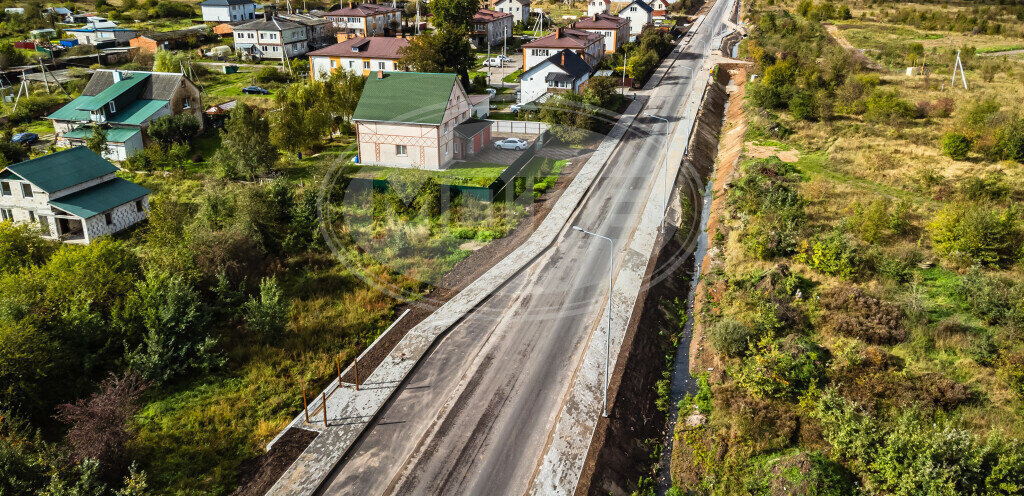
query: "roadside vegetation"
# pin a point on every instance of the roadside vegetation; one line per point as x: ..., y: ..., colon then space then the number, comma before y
x: 863, y: 316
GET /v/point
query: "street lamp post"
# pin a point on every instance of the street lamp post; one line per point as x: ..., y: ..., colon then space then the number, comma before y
x: 625, y: 52
x: 664, y: 199
x: 608, y: 316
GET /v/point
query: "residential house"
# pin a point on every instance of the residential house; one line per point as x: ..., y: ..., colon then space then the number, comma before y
x: 490, y: 28
x: 595, y: 7
x: 480, y: 105
x: 318, y: 29
x: 561, y: 72
x: 520, y: 9
x: 124, y: 103
x: 416, y: 120
x: 659, y: 8
x: 166, y: 40
x: 72, y: 195
x: 97, y: 22
x: 358, y: 55
x: 588, y: 45
x: 614, y: 29
x: 272, y: 38
x: 228, y: 10
x: 365, y: 19
x: 102, y: 36
x: 639, y: 14
x: 226, y: 29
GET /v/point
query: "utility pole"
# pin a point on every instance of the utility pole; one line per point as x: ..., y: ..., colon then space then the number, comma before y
x: 417, y: 16
x: 625, y: 53
x: 46, y: 81
x: 504, y: 45
x: 664, y: 199
x: 608, y: 316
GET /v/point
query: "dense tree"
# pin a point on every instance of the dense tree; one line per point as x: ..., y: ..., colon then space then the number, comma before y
x: 97, y: 141
x: 601, y: 91
x: 454, y: 14
x: 268, y: 315
x: 982, y: 234
x: 445, y: 50
x: 246, y: 148
x: 173, y: 128
x: 568, y: 117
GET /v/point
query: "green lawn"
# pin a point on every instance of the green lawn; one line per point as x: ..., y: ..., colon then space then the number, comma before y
x: 465, y: 174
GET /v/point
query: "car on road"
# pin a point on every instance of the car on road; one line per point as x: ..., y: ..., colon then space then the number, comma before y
x: 255, y: 90
x: 511, y: 144
x: 515, y: 108
x: 25, y: 138
x: 494, y: 62
x: 504, y: 58
x: 491, y: 92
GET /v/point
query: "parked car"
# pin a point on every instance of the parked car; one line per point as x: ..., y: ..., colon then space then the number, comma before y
x: 511, y: 144
x: 255, y: 90
x: 494, y: 62
x: 491, y: 92
x: 504, y: 58
x: 25, y: 138
x: 515, y: 108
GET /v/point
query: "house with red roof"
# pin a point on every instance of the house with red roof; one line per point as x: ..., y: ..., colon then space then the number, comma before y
x: 588, y: 45
x: 614, y: 29
x: 358, y: 55
x: 365, y: 19
x: 490, y: 27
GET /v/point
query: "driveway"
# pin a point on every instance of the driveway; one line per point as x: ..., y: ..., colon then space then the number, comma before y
x: 498, y: 73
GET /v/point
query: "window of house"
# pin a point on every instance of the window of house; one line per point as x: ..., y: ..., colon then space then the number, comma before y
x: 44, y: 225
x: 26, y: 190
x: 351, y: 64
x: 186, y: 104
x: 5, y: 188
x: 138, y: 206
x: 366, y: 64
x: 401, y: 151
x: 6, y: 214
x: 111, y: 107
x: 334, y: 63
x: 380, y: 65
x: 31, y: 216
x: 108, y: 218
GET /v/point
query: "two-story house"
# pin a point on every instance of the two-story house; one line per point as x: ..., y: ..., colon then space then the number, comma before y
x: 358, y: 55
x: 586, y: 44
x: 124, y: 103
x: 416, y: 120
x: 72, y: 195
x: 317, y: 29
x: 520, y: 9
x: 102, y: 36
x: 640, y: 15
x: 218, y: 11
x: 659, y: 8
x: 615, y: 30
x: 271, y: 38
x: 366, y: 19
x: 561, y: 72
x: 595, y: 7
x: 490, y: 28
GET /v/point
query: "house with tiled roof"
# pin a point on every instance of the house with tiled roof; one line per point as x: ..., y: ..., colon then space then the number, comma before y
x: 124, y: 103
x: 659, y: 8
x: 562, y: 72
x: 640, y: 15
x: 586, y: 44
x: 365, y: 19
x: 72, y: 195
x: 614, y: 29
x: 228, y: 10
x: 416, y: 120
x: 358, y: 55
x: 520, y: 9
x: 490, y: 28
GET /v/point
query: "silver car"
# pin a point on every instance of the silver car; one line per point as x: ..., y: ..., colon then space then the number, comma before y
x: 511, y: 144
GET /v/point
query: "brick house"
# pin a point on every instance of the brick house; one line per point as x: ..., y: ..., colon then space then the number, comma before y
x: 416, y: 120
x: 72, y: 195
x: 615, y: 30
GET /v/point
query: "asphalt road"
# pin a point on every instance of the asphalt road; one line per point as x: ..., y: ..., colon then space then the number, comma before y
x: 474, y: 416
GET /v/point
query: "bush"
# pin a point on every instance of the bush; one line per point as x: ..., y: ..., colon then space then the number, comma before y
x: 982, y: 234
x: 850, y: 311
x: 956, y: 145
x: 174, y: 128
x: 730, y: 337
x: 887, y: 107
x: 833, y: 254
x: 267, y: 316
x: 783, y: 368
x: 803, y: 106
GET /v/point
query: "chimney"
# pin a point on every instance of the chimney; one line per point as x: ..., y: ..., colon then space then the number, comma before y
x: 380, y: 74
x: 563, y: 58
x: 117, y: 76
x: 558, y: 32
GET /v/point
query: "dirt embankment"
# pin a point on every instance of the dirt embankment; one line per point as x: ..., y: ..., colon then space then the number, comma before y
x: 729, y: 150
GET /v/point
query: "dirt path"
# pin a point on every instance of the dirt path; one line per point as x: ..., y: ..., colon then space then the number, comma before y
x: 858, y: 54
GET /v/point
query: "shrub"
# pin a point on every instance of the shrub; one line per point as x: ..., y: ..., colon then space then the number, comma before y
x: 985, y: 235
x: 956, y: 145
x: 994, y: 299
x: 850, y: 311
x: 173, y: 128
x: 833, y: 254
x: 270, y: 74
x: 803, y: 106
x: 1011, y: 370
x: 730, y: 337
x: 887, y: 107
x: 783, y: 368
x: 268, y: 315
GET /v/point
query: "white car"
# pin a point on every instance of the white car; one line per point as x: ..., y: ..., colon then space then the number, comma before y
x: 504, y: 58
x: 515, y: 108
x: 494, y: 62
x: 511, y: 144
x: 491, y: 92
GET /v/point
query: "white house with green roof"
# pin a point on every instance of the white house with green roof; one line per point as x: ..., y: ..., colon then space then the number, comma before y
x: 416, y: 120
x: 124, y: 103
x: 73, y: 195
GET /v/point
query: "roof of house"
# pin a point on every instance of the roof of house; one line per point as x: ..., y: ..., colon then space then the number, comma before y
x: 639, y: 3
x: 114, y: 134
x: 600, y: 21
x: 568, y: 61
x: 522, y: 2
x: 97, y: 199
x: 304, y: 19
x: 154, y: 90
x: 134, y: 113
x: 362, y: 10
x: 169, y: 35
x: 488, y: 15
x: 97, y: 101
x: 224, y: 3
x: 477, y: 99
x: 412, y: 97
x: 56, y: 171
x: 565, y: 38
x: 159, y: 86
x: 274, y: 24
x: 375, y: 47
x: 472, y: 127
x: 93, y: 30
